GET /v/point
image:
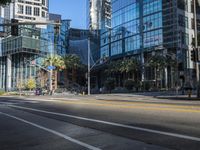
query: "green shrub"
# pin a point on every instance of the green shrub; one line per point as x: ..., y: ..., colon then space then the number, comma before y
x: 2, y: 93
x: 110, y: 84
x: 129, y: 84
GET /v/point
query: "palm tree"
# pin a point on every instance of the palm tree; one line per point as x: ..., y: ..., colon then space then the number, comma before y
x: 72, y: 62
x: 56, y: 61
x: 4, y: 2
x: 159, y: 63
x: 113, y: 68
x: 121, y: 68
x: 129, y: 66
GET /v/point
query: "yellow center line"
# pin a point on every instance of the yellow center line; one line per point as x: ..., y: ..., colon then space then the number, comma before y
x: 142, y: 104
x: 145, y: 106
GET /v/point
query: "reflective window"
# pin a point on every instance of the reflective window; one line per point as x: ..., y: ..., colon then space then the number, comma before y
x: 152, y: 22
x: 105, y: 51
x: 151, y: 6
x: 116, y: 48
x: 132, y: 43
x: 183, y: 21
x: 153, y: 38
x: 126, y: 14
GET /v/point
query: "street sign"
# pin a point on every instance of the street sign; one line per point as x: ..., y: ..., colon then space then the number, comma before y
x: 51, y: 67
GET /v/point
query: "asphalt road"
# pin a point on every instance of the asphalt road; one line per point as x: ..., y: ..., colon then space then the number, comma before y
x: 76, y: 123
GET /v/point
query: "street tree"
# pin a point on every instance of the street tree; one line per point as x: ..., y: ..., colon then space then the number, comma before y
x: 129, y: 66
x: 31, y: 84
x: 158, y: 63
x: 73, y: 63
x: 56, y: 61
x: 113, y: 67
x: 109, y: 84
x: 123, y: 69
x: 20, y: 85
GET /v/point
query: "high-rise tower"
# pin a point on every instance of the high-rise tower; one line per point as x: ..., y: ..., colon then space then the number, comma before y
x: 98, y: 14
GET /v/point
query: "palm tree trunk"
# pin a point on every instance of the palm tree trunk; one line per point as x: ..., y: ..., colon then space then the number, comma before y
x: 156, y: 81
x: 74, y: 75
x: 133, y: 76
x: 66, y: 77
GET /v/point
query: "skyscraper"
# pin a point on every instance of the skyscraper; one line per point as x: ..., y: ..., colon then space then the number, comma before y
x: 98, y: 14
x: 141, y: 29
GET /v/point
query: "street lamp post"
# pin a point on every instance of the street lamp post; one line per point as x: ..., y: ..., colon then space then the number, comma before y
x: 89, y: 50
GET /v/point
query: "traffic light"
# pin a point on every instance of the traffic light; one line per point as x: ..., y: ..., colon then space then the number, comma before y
x: 14, y: 28
x: 193, y: 55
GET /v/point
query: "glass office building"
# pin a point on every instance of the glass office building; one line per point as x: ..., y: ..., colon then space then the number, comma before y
x: 140, y: 28
x: 19, y: 54
x: 136, y: 25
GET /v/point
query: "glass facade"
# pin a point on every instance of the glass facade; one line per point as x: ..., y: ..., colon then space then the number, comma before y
x: 136, y: 25
x: 32, y: 45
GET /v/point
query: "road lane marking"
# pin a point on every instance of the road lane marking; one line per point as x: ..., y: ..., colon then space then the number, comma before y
x: 70, y: 99
x: 146, y: 107
x: 52, y: 131
x: 114, y: 124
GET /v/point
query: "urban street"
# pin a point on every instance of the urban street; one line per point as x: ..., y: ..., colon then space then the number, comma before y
x: 100, y: 75
x: 99, y: 122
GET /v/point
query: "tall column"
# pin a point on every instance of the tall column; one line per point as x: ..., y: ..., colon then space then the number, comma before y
x: 166, y: 78
x: 8, y: 72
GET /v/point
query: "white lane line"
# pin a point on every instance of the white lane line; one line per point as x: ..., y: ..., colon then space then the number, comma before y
x: 35, y: 99
x: 115, y: 124
x: 70, y: 99
x: 53, y: 99
x: 7, y: 103
x: 52, y: 131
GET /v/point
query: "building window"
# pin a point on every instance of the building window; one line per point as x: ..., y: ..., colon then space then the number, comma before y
x: 28, y: 10
x: 20, y: 9
x: 153, y: 38
x: 183, y: 4
x: 105, y: 51
x: 43, y: 2
x: 132, y: 43
x: 152, y: 22
x: 43, y: 14
x: 152, y: 6
x: 183, y: 21
x: 184, y: 38
x: 21, y: 1
x: 36, y: 11
x: 116, y: 48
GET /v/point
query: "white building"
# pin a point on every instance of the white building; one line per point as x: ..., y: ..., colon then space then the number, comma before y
x: 26, y: 10
x: 31, y: 10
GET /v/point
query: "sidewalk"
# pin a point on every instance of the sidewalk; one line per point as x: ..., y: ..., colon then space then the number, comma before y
x: 163, y: 97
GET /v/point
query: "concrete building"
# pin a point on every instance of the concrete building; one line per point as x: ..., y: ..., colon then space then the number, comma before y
x: 31, y: 10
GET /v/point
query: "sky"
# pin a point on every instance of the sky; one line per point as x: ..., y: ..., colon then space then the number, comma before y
x: 70, y: 9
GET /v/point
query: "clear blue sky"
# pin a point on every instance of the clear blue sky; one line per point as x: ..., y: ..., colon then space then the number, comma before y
x: 70, y: 9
